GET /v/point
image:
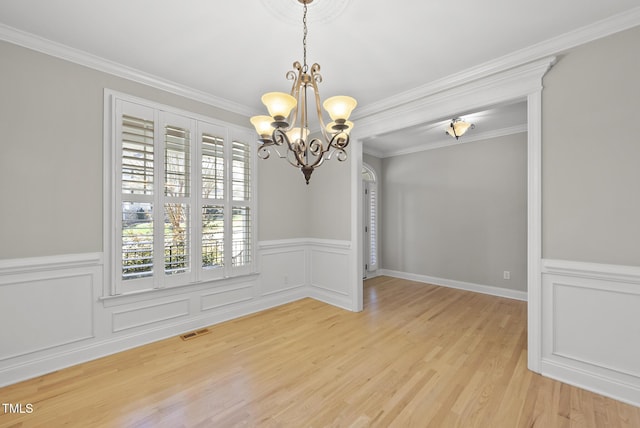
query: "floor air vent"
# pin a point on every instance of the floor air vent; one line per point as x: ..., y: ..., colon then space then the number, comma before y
x: 194, y: 334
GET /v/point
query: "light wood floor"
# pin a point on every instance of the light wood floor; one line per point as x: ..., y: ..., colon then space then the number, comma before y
x: 418, y: 355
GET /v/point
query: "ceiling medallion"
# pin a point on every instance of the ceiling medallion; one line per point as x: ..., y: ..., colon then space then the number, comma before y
x: 323, y: 11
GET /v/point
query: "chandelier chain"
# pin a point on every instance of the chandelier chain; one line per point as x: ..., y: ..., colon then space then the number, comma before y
x: 304, y: 37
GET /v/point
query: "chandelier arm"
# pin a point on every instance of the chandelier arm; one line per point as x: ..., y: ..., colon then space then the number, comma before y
x: 279, y: 137
x: 316, y: 78
x: 319, y: 150
x: 340, y: 140
x: 264, y: 150
x: 296, y: 75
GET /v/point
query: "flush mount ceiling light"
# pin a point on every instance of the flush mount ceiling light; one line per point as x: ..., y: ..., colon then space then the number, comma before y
x: 458, y: 127
x: 287, y: 126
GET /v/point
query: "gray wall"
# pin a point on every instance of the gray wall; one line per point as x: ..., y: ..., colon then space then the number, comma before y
x: 51, y: 117
x: 458, y: 213
x: 329, y: 203
x: 282, y: 200
x: 591, y: 153
x: 289, y: 208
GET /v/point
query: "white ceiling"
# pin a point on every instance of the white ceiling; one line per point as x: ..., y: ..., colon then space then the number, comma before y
x: 369, y: 49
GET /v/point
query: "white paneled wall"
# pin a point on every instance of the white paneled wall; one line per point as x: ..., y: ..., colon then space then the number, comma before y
x: 47, y: 306
x: 53, y: 313
x: 329, y: 279
x: 591, y: 327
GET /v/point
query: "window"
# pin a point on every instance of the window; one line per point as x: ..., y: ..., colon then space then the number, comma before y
x: 370, y: 219
x: 181, y: 204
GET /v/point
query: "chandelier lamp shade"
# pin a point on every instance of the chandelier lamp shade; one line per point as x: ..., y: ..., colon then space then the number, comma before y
x: 458, y: 127
x: 287, y: 130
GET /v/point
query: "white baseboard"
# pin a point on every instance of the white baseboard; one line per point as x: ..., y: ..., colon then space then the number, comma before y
x: 372, y: 274
x: 461, y: 285
x: 590, y: 381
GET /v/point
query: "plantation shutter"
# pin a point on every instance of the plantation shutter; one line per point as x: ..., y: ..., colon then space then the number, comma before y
x: 181, y: 198
x: 214, y: 199
x: 135, y: 152
x: 242, y: 205
x: 177, y: 198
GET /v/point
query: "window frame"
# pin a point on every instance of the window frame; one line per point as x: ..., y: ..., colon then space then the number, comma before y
x: 197, y: 124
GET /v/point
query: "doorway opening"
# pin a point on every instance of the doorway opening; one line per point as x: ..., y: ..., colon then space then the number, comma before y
x: 369, y: 221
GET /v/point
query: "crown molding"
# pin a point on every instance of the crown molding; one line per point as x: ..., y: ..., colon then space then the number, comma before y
x: 67, y: 53
x: 373, y: 152
x: 518, y: 129
x: 550, y: 47
x: 490, y: 90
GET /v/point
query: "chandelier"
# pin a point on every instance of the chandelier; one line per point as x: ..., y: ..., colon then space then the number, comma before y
x: 287, y: 128
x: 458, y: 127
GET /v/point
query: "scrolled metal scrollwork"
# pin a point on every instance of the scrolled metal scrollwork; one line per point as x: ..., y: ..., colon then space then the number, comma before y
x: 264, y: 152
x: 315, y: 73
x: 316, y: 147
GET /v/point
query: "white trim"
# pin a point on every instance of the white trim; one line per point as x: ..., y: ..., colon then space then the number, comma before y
x: 282, y: 243
x: 295, y: 242
x: 48, y: 263
x: 507, y: 86
x: 616, y: 273
x: 76, y: 56
x: 373, y: 152
x: 553, y: 46
x: 356, y: 255
x: 330, y: 243
x: 372, y: 170
x: 460, y: 285
x: 603, y: 385
x: 534, y: 229
x: 373, y: 274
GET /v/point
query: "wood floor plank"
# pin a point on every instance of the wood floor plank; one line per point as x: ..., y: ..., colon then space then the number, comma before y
x: 418, y: 355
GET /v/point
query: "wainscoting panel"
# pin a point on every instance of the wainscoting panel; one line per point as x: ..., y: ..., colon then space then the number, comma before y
x: 225, y: 297
x: 329, y: 272
x: 283, y: 266
x: 140, y: 316
x: 591, y: 327
x: 39, y: 313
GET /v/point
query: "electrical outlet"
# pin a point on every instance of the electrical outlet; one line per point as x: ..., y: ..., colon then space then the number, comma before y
x: 286, y: 279
x: 506, y: 274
